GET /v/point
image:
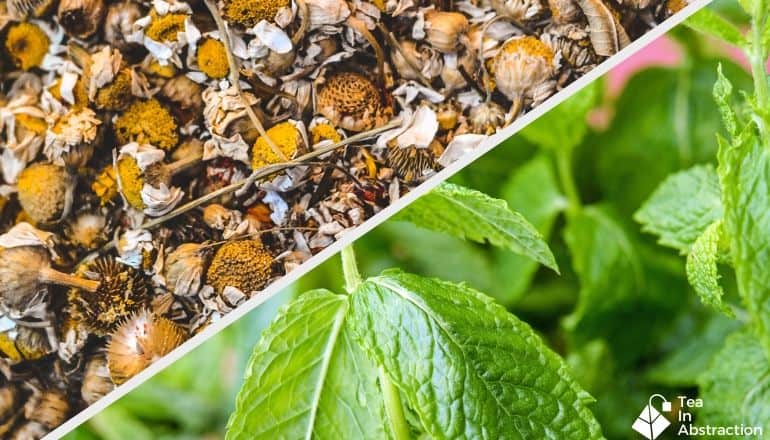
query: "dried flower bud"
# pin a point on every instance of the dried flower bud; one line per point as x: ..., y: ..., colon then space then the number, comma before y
x: 133, y: 179
x: 243, y: 264
x: 32, y: 343
x: 185, y: 97
x: 119, y: 23
x: 29, y: 430
x: 121, y: 292
x: 115, y: 95
x: 24, y: 271
x: 413, y: 163
x: 573, y: 43
x: 523, y: 11
x: 81, y: 18
x: 140, y: 341
x: 217, y: 216
x: 445, y: 31
x: 184, y: 269
x: 288, y: 139
x: 486, y: 118
x: 87, y: 230
x: 564, y: 11
x: 45, y: 192
x: 96, y: 382
x: 27, y: 45
x: 49, y: 408
x: 351, y: 101
x: 524, y: 68
x: 70, y: 142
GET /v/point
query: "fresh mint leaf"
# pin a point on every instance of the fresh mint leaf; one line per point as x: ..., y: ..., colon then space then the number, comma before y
x: 682, y: 207
x: 564, y: 127
x: 723, y: 90
x: 465, y: 365
x: 533, y: 191
x: 308, y: 378
x: 711, y: 23
x: 703, y: 271
x: 735, y: 388
x: 745, y: 174
x: 607, y: 266
x: 473, y: 215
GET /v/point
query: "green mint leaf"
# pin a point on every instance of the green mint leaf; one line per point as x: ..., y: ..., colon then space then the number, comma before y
x: 723, y: 90
x: 702, y: 269
x: 607, y: 265
x: 735, y: 388
x: 564, y: 127
x: 745, y: 173
x: 533, y: 191
x: 682, y: 207
x: 711, y: 23
x: 473, y: 215
x: 307, y: 378
x: 466, y: 366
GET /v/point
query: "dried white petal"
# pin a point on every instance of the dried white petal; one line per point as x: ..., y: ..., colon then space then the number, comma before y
x: 460, y: 146
x: 144, y: 154
x: 24, y: 234
x: 161, y: 200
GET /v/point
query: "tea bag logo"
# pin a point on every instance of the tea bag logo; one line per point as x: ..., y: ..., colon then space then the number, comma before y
x: 651, y: 423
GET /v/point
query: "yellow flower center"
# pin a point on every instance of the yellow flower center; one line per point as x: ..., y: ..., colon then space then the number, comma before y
x: 212, y: 58
x: 163, y: 28
x: 250, y: 12
x: 243, y: 264
x: 285, y: 135
x: 105, y: 186
x: 131, y: 181
x: 117, y: 94
x: 147, y: 122
x: 27, y: 44
x: 322, y: 132
x: 528, y: 46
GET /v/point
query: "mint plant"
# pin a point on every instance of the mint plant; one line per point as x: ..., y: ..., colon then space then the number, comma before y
x: 400, y: 355
x: 721, y: 217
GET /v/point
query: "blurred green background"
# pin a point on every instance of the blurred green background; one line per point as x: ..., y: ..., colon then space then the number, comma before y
x: 652, y: 116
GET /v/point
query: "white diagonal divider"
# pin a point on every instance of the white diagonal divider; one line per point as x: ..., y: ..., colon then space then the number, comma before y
x: 487, y: 145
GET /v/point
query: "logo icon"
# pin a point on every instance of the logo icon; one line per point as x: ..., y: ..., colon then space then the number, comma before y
x: 651, y: 423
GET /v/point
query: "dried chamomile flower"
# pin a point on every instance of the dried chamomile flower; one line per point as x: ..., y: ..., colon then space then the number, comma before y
x: 115, y: 95
x: 212, y: 58
x: 96, y: 381
x: 121, y: 292
x: 73, y: 94
x: 445, y: 31
x: 119, y: 23
x: 351, y: 101
x: 164, y: 28
x: 244, y: 265
x: 45, y: 192
x: 147, y: 122
x: 32, y: 343
x: 105, y: 185
x: 248, y: 13
x: 87, y: 230
x: 324, y: 131
x: 523, y: 11
x: 70, y: 142
x: 288, y: 139
x: 140, y: 341
x: 145, y: 180
x: 184, y: 269
x: 27, y: 45
x: 572, y: 42
x: 81, y: 18
x: 24, y: 272
x: 185, y: 98
x: 524, y: 69
x: 486, y: 118
x: 49, y: 408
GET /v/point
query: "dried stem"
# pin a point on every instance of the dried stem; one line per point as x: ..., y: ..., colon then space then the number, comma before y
x: 235, y: 78
x: 183, y: 164
x: 53, y: 276
x: 266, y: 171
x: 304, y: 15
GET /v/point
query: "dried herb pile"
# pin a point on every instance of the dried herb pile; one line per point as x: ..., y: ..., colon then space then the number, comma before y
x: 161, y: 162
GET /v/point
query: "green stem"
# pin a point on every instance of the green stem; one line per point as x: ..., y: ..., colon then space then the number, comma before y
x: 391, y: 396
x: 394, y: 408
x: 758, y: 57
x: 564, y: 168
x: 350, y: 269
